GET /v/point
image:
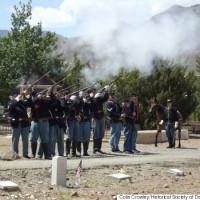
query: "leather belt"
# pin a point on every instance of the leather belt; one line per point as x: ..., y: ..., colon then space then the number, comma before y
x: 19, y: 119
x: 44, y: 120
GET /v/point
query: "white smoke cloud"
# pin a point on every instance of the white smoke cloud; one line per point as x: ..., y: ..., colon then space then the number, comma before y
x: 121, y: 36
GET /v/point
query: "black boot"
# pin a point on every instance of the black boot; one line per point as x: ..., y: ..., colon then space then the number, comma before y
x: 170, y: 142
x: 173, y: 142
x: 68, y: 145
x: 46, y: 152
x: 85, y: 148
x: 33, y: 149
x: 74, y: 144
x: 99, y: 145
x: 78, y: 145
x: 95, y: 146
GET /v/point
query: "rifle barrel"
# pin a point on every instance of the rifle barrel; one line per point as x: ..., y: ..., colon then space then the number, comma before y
x: 69, y: 87
x: 61, y: 80
x: 83, y: 89
x: 37, y: 80
x: 111, y: 82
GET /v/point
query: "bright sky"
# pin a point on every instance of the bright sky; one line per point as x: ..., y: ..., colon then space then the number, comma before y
x: 70, y: 17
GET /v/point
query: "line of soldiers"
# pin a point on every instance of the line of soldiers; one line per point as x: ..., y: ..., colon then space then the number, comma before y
x: 50, y: 117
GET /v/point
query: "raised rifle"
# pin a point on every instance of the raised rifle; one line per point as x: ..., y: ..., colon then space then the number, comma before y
x: 111, y: 82
x: 69, y: 87
x: 57, y: 83
x: 36, y: 82
x: 83, y: 89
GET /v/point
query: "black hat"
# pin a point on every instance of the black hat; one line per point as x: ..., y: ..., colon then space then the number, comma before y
x: 34, y: 93
x: 133, y: 94
x: 89, y: 91
x: 66, y: 93
x: 126, y: 101
x: 14, y: 93
x: 112, y: 92
x: 169, y: 101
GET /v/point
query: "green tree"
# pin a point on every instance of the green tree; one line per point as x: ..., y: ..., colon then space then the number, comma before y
x: 27, y: 50
x: 198, y: 64
x: 164, y: 82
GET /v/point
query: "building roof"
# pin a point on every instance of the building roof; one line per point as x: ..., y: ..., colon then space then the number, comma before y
x: 45, y: 81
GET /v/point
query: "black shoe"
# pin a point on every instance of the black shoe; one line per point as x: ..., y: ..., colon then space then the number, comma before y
x: 27, y: 157
x: 101, y: 152
x: 128, y: 152
x: 39, y: 156
x: 86, y: 154
x: 118, y: 151
x: 135, y: 151
x: 48, y: 158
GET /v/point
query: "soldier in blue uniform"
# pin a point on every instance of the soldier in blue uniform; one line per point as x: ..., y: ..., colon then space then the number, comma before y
x: 73, y: 124
x: 171, y: 118
x: 66, y: 107
x: 84, y: 126
x: 39, y: 124
x: 58, y: 117
x: 129, y: 126
x: 134, y: 109
x: 19, y: 121
x: 99, y: 120
x: 51, y: 131
x: 114, y: 115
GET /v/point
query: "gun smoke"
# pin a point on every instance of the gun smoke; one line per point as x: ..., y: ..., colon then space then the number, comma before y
x: 171, y: 35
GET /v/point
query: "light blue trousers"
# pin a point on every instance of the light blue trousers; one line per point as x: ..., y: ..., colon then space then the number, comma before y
x: 99, y: 128
x: 40, y: 152
x: 16, y: 132
x: 115, y: 134
x: 84, y: 131
x: 58, y: 137
x: 39, y: 129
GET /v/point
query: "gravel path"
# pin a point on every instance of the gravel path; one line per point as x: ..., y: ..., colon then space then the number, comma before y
x: 148, y: 154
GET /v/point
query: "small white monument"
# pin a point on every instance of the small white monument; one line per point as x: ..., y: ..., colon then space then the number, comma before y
x: 59, y: 165
x: 8, y: 185
x: 120, y: 177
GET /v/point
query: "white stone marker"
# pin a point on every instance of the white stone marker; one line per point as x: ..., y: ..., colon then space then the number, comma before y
x: 8, y: 185
x: 59, y: 165
x: 120, y: 177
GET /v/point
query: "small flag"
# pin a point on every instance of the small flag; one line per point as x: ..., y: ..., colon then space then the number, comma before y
x: 79, y: 170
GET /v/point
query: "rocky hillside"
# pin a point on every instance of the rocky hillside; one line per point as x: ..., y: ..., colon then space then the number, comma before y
x: 178, y: 14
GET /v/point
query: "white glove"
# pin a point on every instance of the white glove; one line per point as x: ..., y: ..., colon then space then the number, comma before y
x: 19, y: 97
x: 73, y: 98
x: 80, y: 93
x: 176, y: 125
x: 161, y: 122
x: 106, y: 87
x: 91, y: 95
x: 97, y: 95
x: 84, y: 100
x: 28, y: 96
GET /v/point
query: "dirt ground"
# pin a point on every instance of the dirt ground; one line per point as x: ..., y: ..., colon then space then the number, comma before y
x: 148, y: 170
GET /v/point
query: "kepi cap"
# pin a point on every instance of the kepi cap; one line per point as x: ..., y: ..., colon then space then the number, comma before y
x: 14, y: 93
x: 112, y: 92
x: 126, y: 101
x: 66, y: 93
x: 133, y: 94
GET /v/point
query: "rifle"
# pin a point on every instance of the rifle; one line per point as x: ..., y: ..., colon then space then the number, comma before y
x: 69, y: 87
x: 36, y: 81
x: 61, y: 80
x: 111, y: 82
x: 45, y: 90
x: 83, y: 89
